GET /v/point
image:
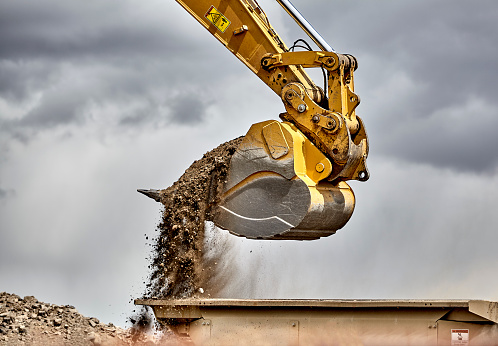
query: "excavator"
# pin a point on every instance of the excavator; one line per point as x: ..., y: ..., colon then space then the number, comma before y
x: 287, y: 179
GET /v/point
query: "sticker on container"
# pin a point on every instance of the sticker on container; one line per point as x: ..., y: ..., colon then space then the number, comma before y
x: 459, y: 337
x: 218, y: 19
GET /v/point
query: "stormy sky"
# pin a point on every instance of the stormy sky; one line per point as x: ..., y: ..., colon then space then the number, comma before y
x: 99, y: 98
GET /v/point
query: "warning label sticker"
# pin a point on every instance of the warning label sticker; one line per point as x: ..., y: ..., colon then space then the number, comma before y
x: 459, y: 337
x: 218, y: 19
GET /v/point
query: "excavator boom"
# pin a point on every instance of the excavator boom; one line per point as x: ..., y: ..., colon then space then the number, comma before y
x: 287, y: 180
x: 243, y: 28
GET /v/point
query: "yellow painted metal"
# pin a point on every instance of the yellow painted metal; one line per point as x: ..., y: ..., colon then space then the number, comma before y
x: 275, y: 140
x: 307, y: 157
x: 328, y: 60
x: 337, y: 131
x: 329, y: 131
x: 250, y: 37
x: 218, y: 19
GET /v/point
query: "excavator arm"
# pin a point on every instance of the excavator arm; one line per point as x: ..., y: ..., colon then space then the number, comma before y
x: 243, y: 28
x: 287, y: 179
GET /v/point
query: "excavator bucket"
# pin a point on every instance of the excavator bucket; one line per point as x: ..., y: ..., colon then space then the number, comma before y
x: 277, y: 188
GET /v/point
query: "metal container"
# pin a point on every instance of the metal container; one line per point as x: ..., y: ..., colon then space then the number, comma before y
x: 329, y: 322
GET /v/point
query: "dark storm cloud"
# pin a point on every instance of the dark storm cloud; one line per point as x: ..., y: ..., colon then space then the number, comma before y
x: 55, y: 111
x: 187, y: 109
x: 70, y: 60
x: 67, y: 98
x: 58, y: 29
x: 448, y: 53
x: 462, y: 137
x: 18, y: 79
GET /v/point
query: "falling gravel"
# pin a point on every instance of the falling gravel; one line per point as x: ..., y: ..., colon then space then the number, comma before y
x: 180, y: 266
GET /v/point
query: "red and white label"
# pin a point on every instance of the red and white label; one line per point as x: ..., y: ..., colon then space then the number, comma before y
x: 459, y: 337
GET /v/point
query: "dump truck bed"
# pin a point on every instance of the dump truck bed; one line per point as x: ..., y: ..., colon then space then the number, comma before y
x: 329, y: 321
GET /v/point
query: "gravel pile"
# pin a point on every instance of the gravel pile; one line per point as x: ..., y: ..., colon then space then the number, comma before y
x: 26, y: 321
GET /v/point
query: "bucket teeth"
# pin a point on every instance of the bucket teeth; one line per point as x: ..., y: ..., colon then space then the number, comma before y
x: 152, y: 193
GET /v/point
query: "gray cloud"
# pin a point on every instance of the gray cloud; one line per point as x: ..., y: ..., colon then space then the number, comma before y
x: 77, y: 95
x: 461, y: 137
x: 71, y: 61
x: 55, y: 29
x: 187, y: 109
x: 19, y: 79
x: 415, y: 59
x: 6, y: 193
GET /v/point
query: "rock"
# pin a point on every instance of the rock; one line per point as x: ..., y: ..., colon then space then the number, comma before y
x: 30, y: 299
x: 95, y: 339
x: 93, y: 322
x: 57, y: 322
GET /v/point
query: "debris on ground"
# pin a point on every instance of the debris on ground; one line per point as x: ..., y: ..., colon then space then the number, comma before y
x: 27, y: 321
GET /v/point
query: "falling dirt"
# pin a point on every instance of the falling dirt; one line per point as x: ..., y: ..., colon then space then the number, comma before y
x: 180, y: 266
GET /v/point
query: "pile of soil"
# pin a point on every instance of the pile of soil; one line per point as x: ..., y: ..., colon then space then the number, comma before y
x: 27, y: 321
x: 179, y: 265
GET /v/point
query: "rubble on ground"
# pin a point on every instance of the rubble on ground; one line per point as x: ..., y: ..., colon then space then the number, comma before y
x: 27, y: 321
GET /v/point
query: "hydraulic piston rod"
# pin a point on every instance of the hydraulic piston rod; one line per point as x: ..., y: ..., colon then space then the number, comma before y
x: 305, y: 25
